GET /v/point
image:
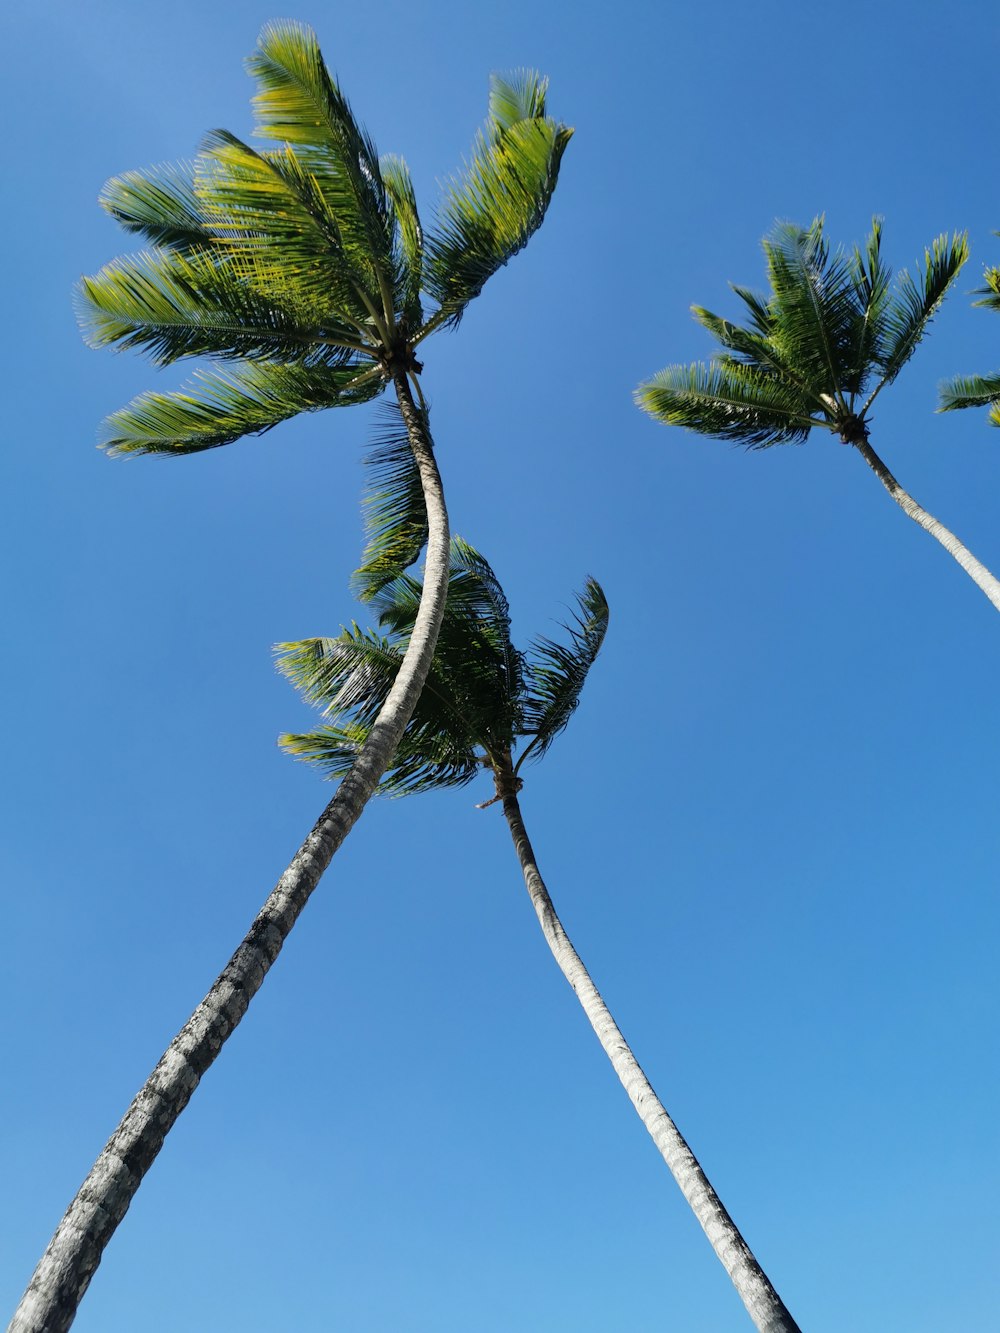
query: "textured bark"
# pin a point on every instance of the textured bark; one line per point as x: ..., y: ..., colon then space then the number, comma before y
x: 50, y: 1303
x: 762, y: 1302
x: 975, y: 569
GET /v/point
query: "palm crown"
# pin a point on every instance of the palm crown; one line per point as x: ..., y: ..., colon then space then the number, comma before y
x: 818, y: 350
x: 305, y: 265
x: 482, y: 697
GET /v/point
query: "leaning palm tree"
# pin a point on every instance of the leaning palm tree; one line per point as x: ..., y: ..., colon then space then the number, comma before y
x: 304, y: 269
x: 483, y: 698
x: 978, y: 390
x: 817, y: 352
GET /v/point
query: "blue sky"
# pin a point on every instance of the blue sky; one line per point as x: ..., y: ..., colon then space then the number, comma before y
x: 771, y: 828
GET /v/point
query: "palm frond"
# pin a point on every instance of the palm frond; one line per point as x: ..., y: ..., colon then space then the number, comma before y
x: 813, y: 307
x: 491, y: 212
x: 557, y: 671
x: 970, y: 391
x: 991, y: 292
x: 160, y: 204
x: 399, y: 188
x: 270, y: 208
x: 351, y: 674
x: 394, y: 511
x: 299, y: 103
x: 728, y: 400
x: 422, y: 762
x: 914, y: 302
x: 761, y: 350
x: 870, y: 277
x: 217, y: 408
x: 172, y: 305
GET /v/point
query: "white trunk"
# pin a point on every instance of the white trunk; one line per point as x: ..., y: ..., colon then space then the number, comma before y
x: 50, y: 1303
x: 762, y: 1302
x: 975, y: 569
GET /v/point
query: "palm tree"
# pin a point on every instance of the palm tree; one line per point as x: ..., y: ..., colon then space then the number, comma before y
x: 816, y: 354
x: 978, y: 390
x: 302, y: 269
x: 482, y: 699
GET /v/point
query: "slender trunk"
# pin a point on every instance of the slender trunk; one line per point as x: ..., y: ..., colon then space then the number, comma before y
x: 975, y: 569
x: 762, y: 1302
x: 50, y: 1303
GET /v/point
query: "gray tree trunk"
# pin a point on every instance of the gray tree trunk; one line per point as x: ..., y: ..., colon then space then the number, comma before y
x: 50, y: 1303
x: 762, y: 1302
x: 975, y: 569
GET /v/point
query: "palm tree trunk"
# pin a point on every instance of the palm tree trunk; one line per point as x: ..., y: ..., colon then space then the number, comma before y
x: 762, y: 1302
x: 975, y: 569
x: 50, y: 1303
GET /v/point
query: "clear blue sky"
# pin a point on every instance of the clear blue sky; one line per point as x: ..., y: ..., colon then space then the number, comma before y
x: 771, y: 828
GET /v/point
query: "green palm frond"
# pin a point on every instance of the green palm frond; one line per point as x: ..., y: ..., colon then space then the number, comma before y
x: 914, y: 303
x: 269, y: 207
x: 351, y: 674
x: 394, y: 511
x: 172, y: 305
x: 218, y: 408
x: 972, y: 391
x: 557, y: 671
x: 871, y: 278
x: 410, y: 265
x: 423, y: 762
x: 813, y: 307
x: 501, y: 200
x: 758, y: 348
x: 298, y: 103
x: 991, y: 292
x: 160, y: 204
x: 729, y: 400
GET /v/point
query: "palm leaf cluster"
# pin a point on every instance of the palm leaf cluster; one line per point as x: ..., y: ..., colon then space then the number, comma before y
x: 304, y: 265
x: 483, y: 695
x: 816, y: 351
x: 978, y: 390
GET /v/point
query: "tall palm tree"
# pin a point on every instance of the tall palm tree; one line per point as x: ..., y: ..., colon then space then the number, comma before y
x: 817, y: 352
x: 302, y: 268
x: 482, y: 699
x: 978, y: 390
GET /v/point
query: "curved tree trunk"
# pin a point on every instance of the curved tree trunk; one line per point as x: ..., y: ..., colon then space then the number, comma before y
x: 975, y: 569
x: 50, y: 1303
x: 763, y: 1304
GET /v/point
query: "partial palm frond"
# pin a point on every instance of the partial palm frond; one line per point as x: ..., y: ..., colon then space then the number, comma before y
x: 970, y: 391
x: 492, y: 211
x: 813, y: 307
x: 761, y: 315
x: 557, y: 671
x: 728, y: 400
x: 871, y: 278
x: 160, y: 204
x: 754, y: 348
x: 422, y: 762
x: 394, y: 511
x: 218, y: 408
x: 349, y: 675
x: 410, y: 263
x: 519, y: 96
x: 269, y: 207
x: 914, y: 302
x: 172, y: 305
x: 991, y: 292
x: 298, y: 103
